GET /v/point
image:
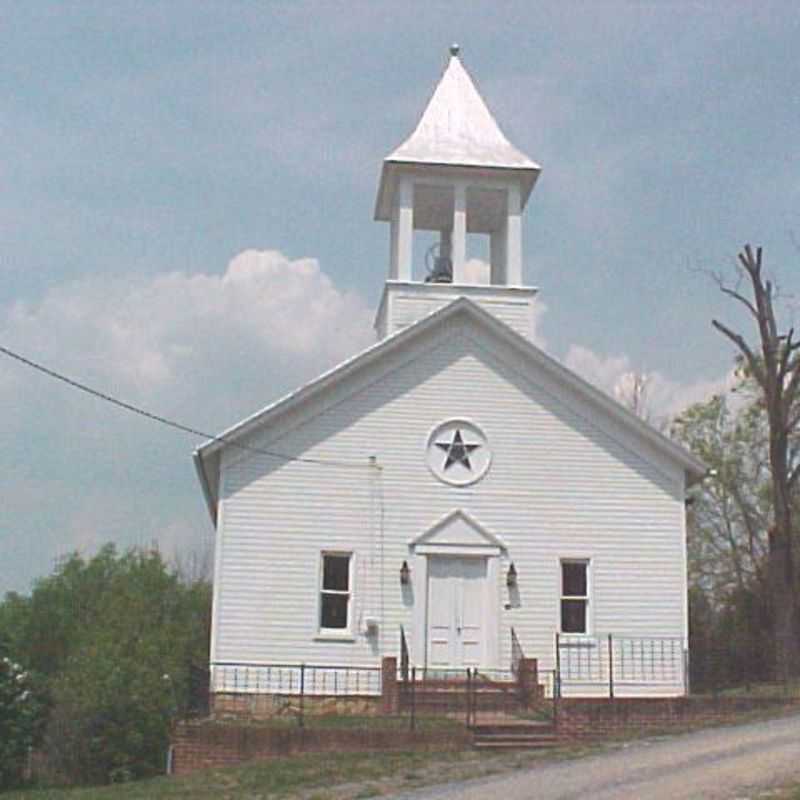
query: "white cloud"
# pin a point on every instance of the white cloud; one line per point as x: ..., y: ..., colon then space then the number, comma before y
x: 204, y: 349
x: 663, y: 396
x: 477, y: 271
x: 148, y: 335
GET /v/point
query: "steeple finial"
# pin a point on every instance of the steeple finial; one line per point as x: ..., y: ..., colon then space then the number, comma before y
x: 454, y: 49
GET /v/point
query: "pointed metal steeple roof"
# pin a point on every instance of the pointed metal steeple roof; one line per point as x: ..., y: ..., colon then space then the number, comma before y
x: 456, y: 130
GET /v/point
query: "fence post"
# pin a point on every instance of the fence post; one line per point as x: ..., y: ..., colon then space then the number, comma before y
x: 413, y: 696
x: 389, y: 693
x: 556, y: 691
x: 469, y: 693
x: 686, y: 674
x: 611, y: 667
x: 300, y: 720
x: 557, y: 681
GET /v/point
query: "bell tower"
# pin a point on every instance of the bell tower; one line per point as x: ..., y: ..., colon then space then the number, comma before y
x: 455, y: 177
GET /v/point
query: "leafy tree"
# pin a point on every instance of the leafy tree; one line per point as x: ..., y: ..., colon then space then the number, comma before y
x: 114, y: 637
x: 730, y: 512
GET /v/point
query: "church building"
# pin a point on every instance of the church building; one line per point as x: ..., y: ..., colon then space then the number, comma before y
x: 451, y: 497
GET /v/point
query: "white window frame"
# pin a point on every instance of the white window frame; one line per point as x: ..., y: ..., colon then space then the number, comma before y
x: 336, y: 633
x: 587, y: 598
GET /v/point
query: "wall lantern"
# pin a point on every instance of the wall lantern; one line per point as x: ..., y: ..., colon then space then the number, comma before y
x: 511, y: 576
x: 405, y: 574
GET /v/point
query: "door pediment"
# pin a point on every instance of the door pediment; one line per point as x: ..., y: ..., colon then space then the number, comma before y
x: 457, y: 533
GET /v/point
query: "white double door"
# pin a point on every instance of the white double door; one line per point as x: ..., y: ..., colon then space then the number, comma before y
x: 457, y: 609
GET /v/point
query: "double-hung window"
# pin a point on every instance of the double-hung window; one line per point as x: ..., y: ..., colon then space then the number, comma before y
x: 335, y: 592
x: 574, y: 596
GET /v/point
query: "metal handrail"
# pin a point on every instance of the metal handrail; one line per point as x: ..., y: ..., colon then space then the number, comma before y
x: 403, y: 655
x: 516, y: 653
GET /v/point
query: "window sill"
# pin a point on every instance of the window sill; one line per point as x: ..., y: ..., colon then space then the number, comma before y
x: 334, y: 637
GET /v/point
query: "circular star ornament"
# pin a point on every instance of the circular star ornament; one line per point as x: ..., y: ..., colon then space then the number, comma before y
x: 458, y: 452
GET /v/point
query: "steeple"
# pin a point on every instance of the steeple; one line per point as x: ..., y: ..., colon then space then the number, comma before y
x: 455, y: 175
x: 457, y: 129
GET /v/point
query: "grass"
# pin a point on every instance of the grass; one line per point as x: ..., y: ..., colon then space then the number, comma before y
x: 348, y: 722
x: 350, y: 776
x: 783, y: 793
x: 330, y: 776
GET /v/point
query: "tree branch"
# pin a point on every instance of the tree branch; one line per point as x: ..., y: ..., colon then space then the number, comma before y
x: 790, y: 391
x: 741, y: 298
x: 744, y: 348
x: 793, y: 476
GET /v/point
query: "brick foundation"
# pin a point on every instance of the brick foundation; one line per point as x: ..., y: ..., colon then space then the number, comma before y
x: 224, y: 705
x: 598, y: 718
x: 210, y: 744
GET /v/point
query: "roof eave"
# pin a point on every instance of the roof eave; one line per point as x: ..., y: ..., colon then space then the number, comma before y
x: 209, y: 495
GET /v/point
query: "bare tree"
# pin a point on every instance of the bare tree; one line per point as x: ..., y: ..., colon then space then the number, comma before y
x: 632, y: 390
x: 775, y: 366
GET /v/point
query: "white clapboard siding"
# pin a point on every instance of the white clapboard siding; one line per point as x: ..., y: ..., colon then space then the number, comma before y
x: 565, y: 481
x: 404, y: 303
x: 407, y: 310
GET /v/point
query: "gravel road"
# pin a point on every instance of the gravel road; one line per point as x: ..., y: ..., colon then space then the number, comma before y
x: 732, y: 762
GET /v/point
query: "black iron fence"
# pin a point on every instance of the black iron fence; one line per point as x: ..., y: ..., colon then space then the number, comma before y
x: 609, y: 664
x: 324, y: 696
x: 478, y: 695
x: 295, y: 679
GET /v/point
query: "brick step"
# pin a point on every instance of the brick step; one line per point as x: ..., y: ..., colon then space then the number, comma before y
x: 515, y: 742
x: 447, y: 691
x: 496, y: 703
x: 518, y: 734
x: 514, y: 728
x: 460, y: 685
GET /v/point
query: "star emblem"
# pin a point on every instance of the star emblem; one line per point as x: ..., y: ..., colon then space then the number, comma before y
x: 457, y: 450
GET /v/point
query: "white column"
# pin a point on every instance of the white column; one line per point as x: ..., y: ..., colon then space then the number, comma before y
x: 402, y: 232
x: 459, y: 232
x: 513, y: 239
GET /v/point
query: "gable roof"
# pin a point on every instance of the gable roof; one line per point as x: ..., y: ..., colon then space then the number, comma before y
x: 207, y: 456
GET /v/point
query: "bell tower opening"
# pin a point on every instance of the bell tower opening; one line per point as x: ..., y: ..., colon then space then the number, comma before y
x: 439, y: 228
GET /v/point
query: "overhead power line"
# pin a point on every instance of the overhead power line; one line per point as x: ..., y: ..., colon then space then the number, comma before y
x: 51, y: 373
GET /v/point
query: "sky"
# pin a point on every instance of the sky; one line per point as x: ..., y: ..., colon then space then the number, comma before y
x: 186, y: 202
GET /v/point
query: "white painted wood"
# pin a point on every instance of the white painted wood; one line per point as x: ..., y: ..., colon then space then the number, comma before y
x: 566, y: 479
x: 513, y: 239
x: 459, y: 530
x: 459, y: 237
x: 404, y: 303
x: 457, y: 622
x: 402, y: 232
x: 457, y: 128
